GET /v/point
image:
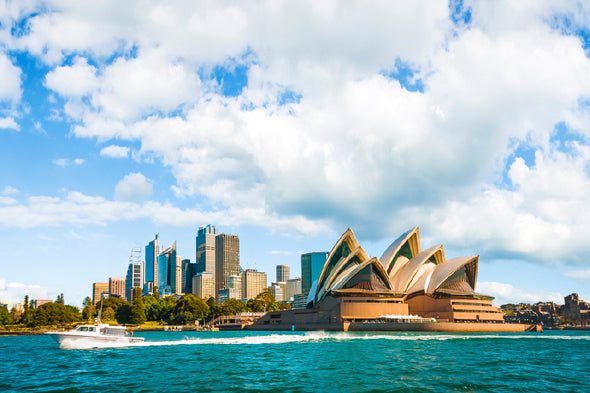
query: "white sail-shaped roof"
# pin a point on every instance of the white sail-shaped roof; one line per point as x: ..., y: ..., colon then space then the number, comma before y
x: 403, y: 278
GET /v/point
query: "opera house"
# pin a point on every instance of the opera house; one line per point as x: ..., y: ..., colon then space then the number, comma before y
x: 406, y: 289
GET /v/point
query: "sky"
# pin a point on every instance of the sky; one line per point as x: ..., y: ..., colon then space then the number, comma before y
x: 287, y: 123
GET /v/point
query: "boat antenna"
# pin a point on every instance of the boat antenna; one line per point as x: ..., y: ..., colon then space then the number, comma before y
x: 99, y: 311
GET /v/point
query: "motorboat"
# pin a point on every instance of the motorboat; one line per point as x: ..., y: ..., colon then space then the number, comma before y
x: 98, y: 333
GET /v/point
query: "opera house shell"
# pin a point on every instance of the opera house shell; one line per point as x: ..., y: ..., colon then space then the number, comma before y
x: 406, y: 280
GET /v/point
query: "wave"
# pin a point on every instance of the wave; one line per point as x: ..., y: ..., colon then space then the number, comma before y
x: 319, y: 336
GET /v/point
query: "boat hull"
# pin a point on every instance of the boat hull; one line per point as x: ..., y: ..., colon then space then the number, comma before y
x: 73, y: 340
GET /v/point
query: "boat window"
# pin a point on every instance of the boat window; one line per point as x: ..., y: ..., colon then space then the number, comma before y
x: 91, y: 329
x: 83, y: 329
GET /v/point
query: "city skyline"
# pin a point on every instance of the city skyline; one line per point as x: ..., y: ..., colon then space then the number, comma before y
x: 120, y: 121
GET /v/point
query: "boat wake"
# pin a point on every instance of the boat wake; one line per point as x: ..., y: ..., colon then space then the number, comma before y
x: 274, y: 339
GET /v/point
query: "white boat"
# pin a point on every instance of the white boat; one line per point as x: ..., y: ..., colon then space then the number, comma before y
x: 99, y: 334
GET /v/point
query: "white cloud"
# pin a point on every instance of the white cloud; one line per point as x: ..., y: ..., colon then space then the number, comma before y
x: 10, y: 86
x: 7, y: 200
x: 358, y: 149
x: 279, y: 252
x: 76, y: 80
x: 9, y: 190
x: 114, y: 151
x: 134, y: 186
x: 14, y: 293
x: 578, y: 275
x: 79, y: 209
x: 64, y: 162
x: 9, y: 123
x: 506, y: 293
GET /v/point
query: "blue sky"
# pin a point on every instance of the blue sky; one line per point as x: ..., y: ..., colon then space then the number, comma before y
x: 287, y: 123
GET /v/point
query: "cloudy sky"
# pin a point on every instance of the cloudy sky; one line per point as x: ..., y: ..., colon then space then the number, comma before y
x: 287, y: 123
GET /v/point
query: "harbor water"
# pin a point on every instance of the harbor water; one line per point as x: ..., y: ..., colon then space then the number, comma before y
x: 554, y: 361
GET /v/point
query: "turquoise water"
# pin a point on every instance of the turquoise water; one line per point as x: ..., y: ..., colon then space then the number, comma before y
x: 303, y: 362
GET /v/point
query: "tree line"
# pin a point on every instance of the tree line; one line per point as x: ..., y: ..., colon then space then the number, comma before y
x: 188, y: 309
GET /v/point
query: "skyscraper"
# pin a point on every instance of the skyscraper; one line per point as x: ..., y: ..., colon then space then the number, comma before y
x: 253, y: 283
x: 168, y: 270
x: 227, y: 259
x: 117, y: 287
x: 135, y: 278
x: 311, y: 268
x: 205, y: 257
x: 188, y: 271
x: 151, y: 261
x: 282, y: 273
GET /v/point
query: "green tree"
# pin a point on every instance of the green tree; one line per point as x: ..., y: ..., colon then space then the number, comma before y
x: 137, y: 314
x: 232, y: 307
x: 60, y: 299
x: 89, y: 312
x: 26, y: 316
x: 53, y: 314
x: 113, y: 302
x: 156, y: 293
x: 160, y: 310
x: 87, y: 301
x: 5, y: 317
x: 188, y: 309
x: 108, y: 313
x: 123, y: 314
x: 214, y: 309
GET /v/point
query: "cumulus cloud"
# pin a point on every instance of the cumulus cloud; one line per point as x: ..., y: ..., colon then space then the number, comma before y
x: 115, y: 151
x: 64, y: 162
x: 506, y: 293
x: 134, y: 186
x: 357, y: 147
x: 8, y: 123
x: 76, y: 80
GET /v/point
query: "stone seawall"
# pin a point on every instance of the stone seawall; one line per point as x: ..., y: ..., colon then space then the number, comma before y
x: 445, y: 327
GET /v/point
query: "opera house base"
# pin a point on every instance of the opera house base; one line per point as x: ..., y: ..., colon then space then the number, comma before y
x: 311, y: 319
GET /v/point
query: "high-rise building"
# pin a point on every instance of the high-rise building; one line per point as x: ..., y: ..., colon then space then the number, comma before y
x: 177, y: 282
x: 227, y: 259
x: 151, y: 261
x: 277, y: 291
x: 204, y: 285
x: 135, y: 278
x: 234, y: 284
x: 188, y: 271
x: 311, y: 267
x: 282, y: 273
x: 117, y: 287
x: 168, y: 270
x: 205, y: 257
x: 253, y: 283
x: 293, y: 288
x: 283, y: 292
x: 99, y: 290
